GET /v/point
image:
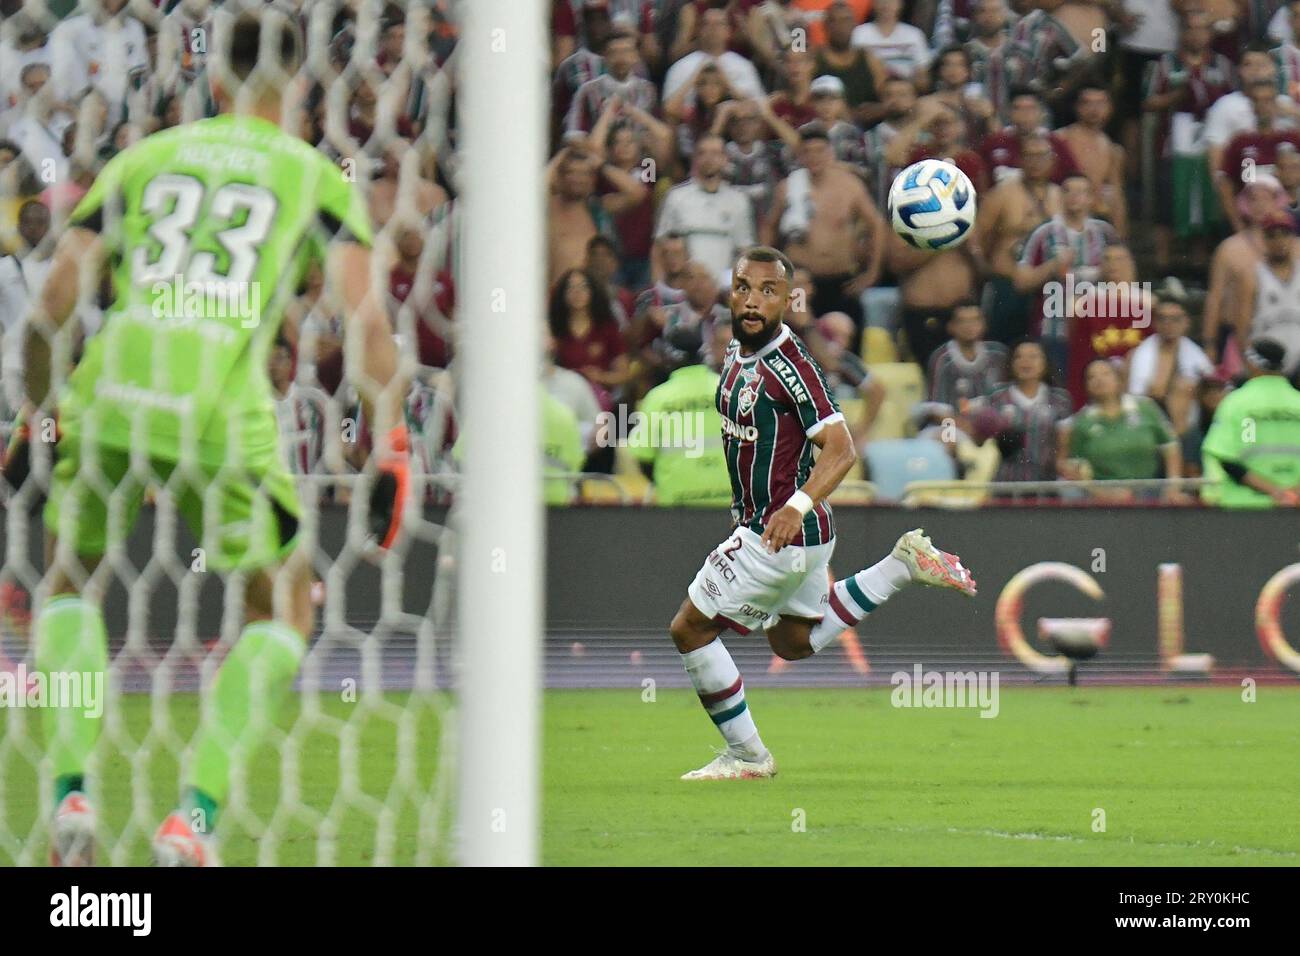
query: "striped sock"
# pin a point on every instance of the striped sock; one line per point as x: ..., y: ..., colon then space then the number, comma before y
x: 722, y: 692
x: 852, y: 599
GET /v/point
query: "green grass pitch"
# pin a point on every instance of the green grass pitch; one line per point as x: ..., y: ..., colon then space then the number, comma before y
x: 1185, y: 777
x: 360, y: 736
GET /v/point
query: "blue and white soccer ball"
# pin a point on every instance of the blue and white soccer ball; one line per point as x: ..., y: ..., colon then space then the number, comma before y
x: 932, y: 205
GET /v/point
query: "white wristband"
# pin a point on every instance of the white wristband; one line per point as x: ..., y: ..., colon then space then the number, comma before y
x: 800, y: 502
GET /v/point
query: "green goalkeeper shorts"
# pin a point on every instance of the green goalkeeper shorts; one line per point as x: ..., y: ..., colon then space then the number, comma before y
x: 243, y: 519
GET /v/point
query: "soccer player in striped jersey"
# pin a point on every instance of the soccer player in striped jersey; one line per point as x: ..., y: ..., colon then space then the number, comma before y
x: 771, y: 572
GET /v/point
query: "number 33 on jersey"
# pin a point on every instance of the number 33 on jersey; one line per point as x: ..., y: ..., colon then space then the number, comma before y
x: 216, y: 223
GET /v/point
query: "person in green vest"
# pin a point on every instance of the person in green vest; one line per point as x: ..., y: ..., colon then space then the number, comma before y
x: 1252, y: 450
x: 562, y: 451
x: 678, y: 440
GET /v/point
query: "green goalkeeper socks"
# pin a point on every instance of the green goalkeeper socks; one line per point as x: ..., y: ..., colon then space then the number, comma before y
x: 245, y: 700
x: 71, y: 657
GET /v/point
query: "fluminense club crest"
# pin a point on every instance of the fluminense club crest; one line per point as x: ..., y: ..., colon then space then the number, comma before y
x: 748, y: 396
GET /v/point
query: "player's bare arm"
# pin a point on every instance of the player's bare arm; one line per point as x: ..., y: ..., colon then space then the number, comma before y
x: 768, y: 228
x: 369, y: 353
x: 871, y: 242
x: 1211, y: 315
x: 76, y: 261
x: 370, y: 357
x: 1115, y: 182
x: 835, y: 459
x: 1244, y: 307
x: 629, y: 189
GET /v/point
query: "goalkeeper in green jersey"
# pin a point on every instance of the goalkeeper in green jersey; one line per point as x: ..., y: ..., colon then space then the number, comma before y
x: 207, y: 229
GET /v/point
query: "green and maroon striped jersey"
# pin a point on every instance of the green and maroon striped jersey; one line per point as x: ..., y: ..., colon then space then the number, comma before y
x: 772, y: 403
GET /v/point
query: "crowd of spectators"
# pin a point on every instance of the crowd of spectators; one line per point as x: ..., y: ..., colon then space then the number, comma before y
x: 1137, y: 165
x: 81, y: 82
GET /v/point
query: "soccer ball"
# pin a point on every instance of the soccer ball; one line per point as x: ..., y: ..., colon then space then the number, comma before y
x: 932, y: 205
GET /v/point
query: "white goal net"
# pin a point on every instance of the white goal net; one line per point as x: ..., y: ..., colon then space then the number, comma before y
x: 356, y: 768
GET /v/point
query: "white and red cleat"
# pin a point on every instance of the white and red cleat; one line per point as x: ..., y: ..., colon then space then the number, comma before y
x: 932, y: 567
x: 72, y: 835
x: 176, y: 844
x: 726, y: 766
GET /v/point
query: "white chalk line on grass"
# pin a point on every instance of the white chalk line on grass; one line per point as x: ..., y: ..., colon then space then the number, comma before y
x: 1065, y: 838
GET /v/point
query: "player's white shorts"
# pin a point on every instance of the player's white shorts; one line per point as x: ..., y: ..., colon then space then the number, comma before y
x: 741, y: 585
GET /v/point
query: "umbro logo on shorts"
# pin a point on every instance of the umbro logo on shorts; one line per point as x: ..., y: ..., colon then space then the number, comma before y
x: 713, y: 588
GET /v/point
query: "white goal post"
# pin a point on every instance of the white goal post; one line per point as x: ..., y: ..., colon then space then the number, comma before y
x: 503, y: 88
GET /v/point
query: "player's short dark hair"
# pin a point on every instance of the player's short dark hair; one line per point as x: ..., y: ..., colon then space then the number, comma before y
x: 244, y: 50
x: 1258, y: 46
x: 1091, y: 88
x: 769, y: 254
x: 1019, y: 91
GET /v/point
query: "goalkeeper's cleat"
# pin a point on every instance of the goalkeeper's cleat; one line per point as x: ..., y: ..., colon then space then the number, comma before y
x: 72, y: 835
x: 176, y: 844
x: 932, y: 567
x: 392, y: 487
x: 727, y: 766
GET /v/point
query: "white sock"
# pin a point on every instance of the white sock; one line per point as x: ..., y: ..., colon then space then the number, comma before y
x: 854, y: 598
x: 717, y: 681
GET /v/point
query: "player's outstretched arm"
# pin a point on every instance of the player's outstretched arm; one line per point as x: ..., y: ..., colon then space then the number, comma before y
x: 833, y: 463
x: 370, y: 362
x: 76, y: 260
x: 370, y: 355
